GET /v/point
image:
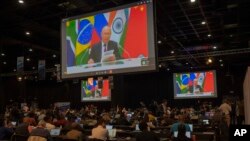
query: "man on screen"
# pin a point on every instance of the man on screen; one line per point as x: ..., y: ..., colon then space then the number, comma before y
x: 106, y: 50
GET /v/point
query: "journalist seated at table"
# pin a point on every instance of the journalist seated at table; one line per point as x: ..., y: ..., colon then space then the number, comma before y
x: 100, y: 132
x: 146, y: 135
x: 41, y: 131
x: 181, y: 136
x: 5, y: 129
x: 25, y: 127
x: 75, y: 132
x: 174, y: 127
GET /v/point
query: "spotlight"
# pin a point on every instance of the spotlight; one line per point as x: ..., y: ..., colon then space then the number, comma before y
x: 54, y: 56
x: 210, y: 60
x: 28, y: 59
x: 220, y: 60
x: 192, y: 1
x: 209, y: 35
x: 159, y: 42
x: 214, y: 47
x: 172, y: 52
x: 221, y: 65
x: 2, y: 54
x: 19, y: 78
x: 4, y: 63
x: 21, y: 1
x: 30, y: 50
x: 203, y: 22
x: 27, y: 33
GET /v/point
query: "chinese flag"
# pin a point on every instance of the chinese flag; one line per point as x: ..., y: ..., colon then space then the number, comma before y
x: 209, y: 82
x: 105, y: 88
x: 136, y: 38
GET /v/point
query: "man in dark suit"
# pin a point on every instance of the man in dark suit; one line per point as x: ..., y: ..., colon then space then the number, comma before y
x: 97, y: 51
x: 146, y: 135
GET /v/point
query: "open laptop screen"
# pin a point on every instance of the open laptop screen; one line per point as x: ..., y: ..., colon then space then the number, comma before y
x: 55, y: 132
x: 188, y: 134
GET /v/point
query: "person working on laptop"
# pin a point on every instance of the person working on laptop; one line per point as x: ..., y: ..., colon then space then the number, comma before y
x: 174, y: 127
x: 100, y: 132
x: 181, y: 136
x: 146, y: 135
x: 41, y: 131
x: 75, y: 133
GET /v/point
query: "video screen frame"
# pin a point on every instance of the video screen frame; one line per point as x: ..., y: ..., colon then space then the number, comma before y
x: 94, y: 90
x: 194, y: 94
x: 152, y: 48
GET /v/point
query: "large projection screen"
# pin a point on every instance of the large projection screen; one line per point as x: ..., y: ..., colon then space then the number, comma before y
x: 130, y: 48
x: 200, y: 84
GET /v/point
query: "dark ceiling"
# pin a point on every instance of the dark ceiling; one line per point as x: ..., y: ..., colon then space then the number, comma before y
x: 179, y: 29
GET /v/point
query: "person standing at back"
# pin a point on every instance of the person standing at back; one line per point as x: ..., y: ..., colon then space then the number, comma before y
x: 226, y: 109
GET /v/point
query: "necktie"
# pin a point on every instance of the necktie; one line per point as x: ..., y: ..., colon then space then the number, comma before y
x: 105, y: 47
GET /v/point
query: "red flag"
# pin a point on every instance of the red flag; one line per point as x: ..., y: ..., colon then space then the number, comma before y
x: 136, y: 38
x: 209, y: 82
x: 105, y: 88
x: 111, y: 18
x: 95, y: 38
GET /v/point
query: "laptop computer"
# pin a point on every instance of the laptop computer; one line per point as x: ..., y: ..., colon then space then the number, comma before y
x: 112, y: 133
x: 109, y: 127
x: 205, y: 121
x: 137, y: 127
x: 191, y: 127
x: 188, y: 134
x: 55, y: 132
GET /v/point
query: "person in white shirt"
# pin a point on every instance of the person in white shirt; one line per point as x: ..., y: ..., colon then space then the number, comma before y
x: 49, y: 124
x: 100, y: 132
x: 226, y: 109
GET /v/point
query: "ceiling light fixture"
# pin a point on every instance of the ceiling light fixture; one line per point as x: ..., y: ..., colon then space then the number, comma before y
x: 30, y: 50
x: 172, y: 52
x: 27, y: 33
x: 221, y: 65
x: 187, y: 63
x: 21, y: 1
x: 28, y: 59
x: 210, y: 60
x: 168, y: 69
x: 214, y: 47
x: 14, y: 70
x: 33, y: 68
x: 192, y: 1
x: 203, y: 22
x: 19, y: 78
x: 209, y: 35
x: 4, y: 63
x: 220, y: 60
x: 54, y: 56
x: 2, y: 54
x: 159, y: 42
